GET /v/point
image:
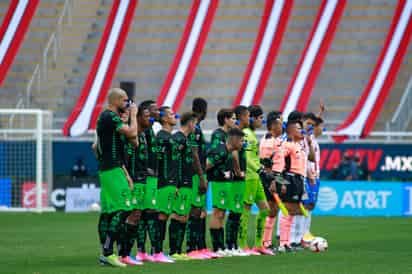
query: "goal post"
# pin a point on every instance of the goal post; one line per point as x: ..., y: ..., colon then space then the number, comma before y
x: 26, y: 176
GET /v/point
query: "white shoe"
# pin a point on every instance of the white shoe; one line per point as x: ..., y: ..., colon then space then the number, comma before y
x: 239, y: 253
x: 223, y: 253
x: 228, y: 252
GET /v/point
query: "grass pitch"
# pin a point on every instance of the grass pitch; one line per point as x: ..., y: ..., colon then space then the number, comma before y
x: 67, y: 243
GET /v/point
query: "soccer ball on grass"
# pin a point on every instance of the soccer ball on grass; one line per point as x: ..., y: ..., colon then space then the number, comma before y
x: 318, y: 244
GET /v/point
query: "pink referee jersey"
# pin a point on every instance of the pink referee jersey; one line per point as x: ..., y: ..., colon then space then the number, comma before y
x: 298, y: 157
x: 273, y: 146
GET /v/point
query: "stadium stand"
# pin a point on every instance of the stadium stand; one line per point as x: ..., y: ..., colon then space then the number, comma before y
x: 155, y: 34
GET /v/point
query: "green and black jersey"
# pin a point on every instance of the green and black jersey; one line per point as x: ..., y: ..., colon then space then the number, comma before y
x: 185, y: 167
x: 200, y: 142
x: 167, y: 159
x: 138, y: 160
x: 218, y: 137
x: 222, y: 162
x: 110, y: 146
x: 151, y: 148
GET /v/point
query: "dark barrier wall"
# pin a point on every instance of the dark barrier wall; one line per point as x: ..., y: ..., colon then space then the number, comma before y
x: 383, y: 161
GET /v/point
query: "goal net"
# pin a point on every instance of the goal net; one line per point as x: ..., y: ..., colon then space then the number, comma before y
x: 26, y: 178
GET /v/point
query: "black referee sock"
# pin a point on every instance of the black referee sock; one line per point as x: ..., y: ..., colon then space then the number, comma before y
x: 192, y: 233
x: 141, y: 233
x: 153, y: 227
x: 201, y: 242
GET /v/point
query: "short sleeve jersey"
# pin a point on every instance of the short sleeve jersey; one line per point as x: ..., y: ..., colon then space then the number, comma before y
x: 219, y: 136
x: 297, y: 157
x: 109, y: 143
x: 252, y: 154
x: 167, y: 158
x: 221, y: 160
x: 269, y: 146
x: 139, y: 160
x: 200, y: 142
x: 151, y: 148
x: 185, y: 162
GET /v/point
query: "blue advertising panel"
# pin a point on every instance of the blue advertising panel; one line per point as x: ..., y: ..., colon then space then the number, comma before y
x: 342, y: 198
x: 5, y: 192
x: 407, y: 199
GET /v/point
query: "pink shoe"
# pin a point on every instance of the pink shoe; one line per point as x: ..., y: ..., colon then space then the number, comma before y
x: 251, y: 251
x: 197, y: 255
x: 210, y: 254
x: 144, y: 257
x: 264, y: 251
x: 162, y: 258
x: 130, y: 261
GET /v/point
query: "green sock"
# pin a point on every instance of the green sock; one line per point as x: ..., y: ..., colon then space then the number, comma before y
x: 244, y: 223
x: 260, y: 226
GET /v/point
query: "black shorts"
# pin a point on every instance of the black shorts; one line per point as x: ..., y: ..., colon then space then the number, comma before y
x: 294, y: 188
x: 269, y: 195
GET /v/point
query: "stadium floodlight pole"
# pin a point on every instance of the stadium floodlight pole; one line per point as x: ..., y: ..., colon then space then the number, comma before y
x: 39, y: 161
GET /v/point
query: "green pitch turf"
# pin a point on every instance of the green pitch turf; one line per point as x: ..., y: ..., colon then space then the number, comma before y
x: 67, y: 243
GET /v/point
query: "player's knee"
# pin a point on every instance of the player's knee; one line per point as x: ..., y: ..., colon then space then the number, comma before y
x: 163, y: 217
x: 218, y: 214
x: 195, y: 212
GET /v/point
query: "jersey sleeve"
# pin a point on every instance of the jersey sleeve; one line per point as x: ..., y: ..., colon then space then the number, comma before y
x: 116, y: 121
x: 215, y: 157
x: 215, y: 139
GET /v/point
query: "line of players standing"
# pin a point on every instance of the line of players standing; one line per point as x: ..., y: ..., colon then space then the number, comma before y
x: 151, y: 176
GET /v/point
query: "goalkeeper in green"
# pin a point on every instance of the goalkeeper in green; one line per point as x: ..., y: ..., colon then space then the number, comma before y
x: 254, y: 192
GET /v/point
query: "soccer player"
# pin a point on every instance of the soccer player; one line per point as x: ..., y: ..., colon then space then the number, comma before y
x: 238, y: 188
x: 226, y: 120
x: 138, y: 170
x: 167, y: 158
x: 254, y: 192
x: 295, y: 171
x: 314, y: 127
x: 219, y: 166
x: 271, y: 146
x: 196, y: 226
x: 115, y: 191
x: 183, y: 200
x: 149, y: 223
